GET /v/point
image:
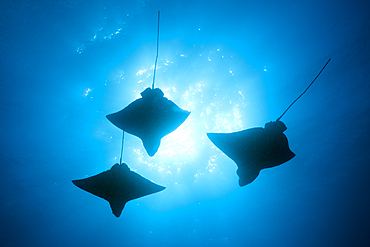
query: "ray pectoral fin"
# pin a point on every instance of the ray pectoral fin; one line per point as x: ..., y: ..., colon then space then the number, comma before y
x: 118, y: 186
x: 115, y: 118
x: 219, y: 140
x: 77, y: 183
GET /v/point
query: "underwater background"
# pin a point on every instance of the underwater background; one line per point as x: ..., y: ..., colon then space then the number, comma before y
x: 65, y: 65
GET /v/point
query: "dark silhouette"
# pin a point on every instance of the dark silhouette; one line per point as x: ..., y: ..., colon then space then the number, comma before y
x: 150, y: 118
x: 254, y: 149
x: 118, y: 186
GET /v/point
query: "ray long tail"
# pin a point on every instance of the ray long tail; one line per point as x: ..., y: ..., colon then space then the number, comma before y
x: 156, y: 58
x: 304, y: 90
x: 123, y: 141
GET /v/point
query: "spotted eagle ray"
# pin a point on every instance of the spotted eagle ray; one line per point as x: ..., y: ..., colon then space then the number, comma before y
x: 257, y: 148
x: 118, y: 186
x: 151, y: 117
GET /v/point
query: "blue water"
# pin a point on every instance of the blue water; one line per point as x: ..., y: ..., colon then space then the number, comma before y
x: 65, y: 65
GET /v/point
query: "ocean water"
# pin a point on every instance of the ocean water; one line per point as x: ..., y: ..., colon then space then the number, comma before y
x: 65, y: 65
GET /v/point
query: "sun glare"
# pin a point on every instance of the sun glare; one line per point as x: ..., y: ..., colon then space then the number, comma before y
x: 214, y: 107
x: 188, y: 141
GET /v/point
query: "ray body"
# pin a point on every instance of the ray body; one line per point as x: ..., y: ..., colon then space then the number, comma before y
x: 254, y: 149
x: 150, y: 118
x: 118, y: 186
